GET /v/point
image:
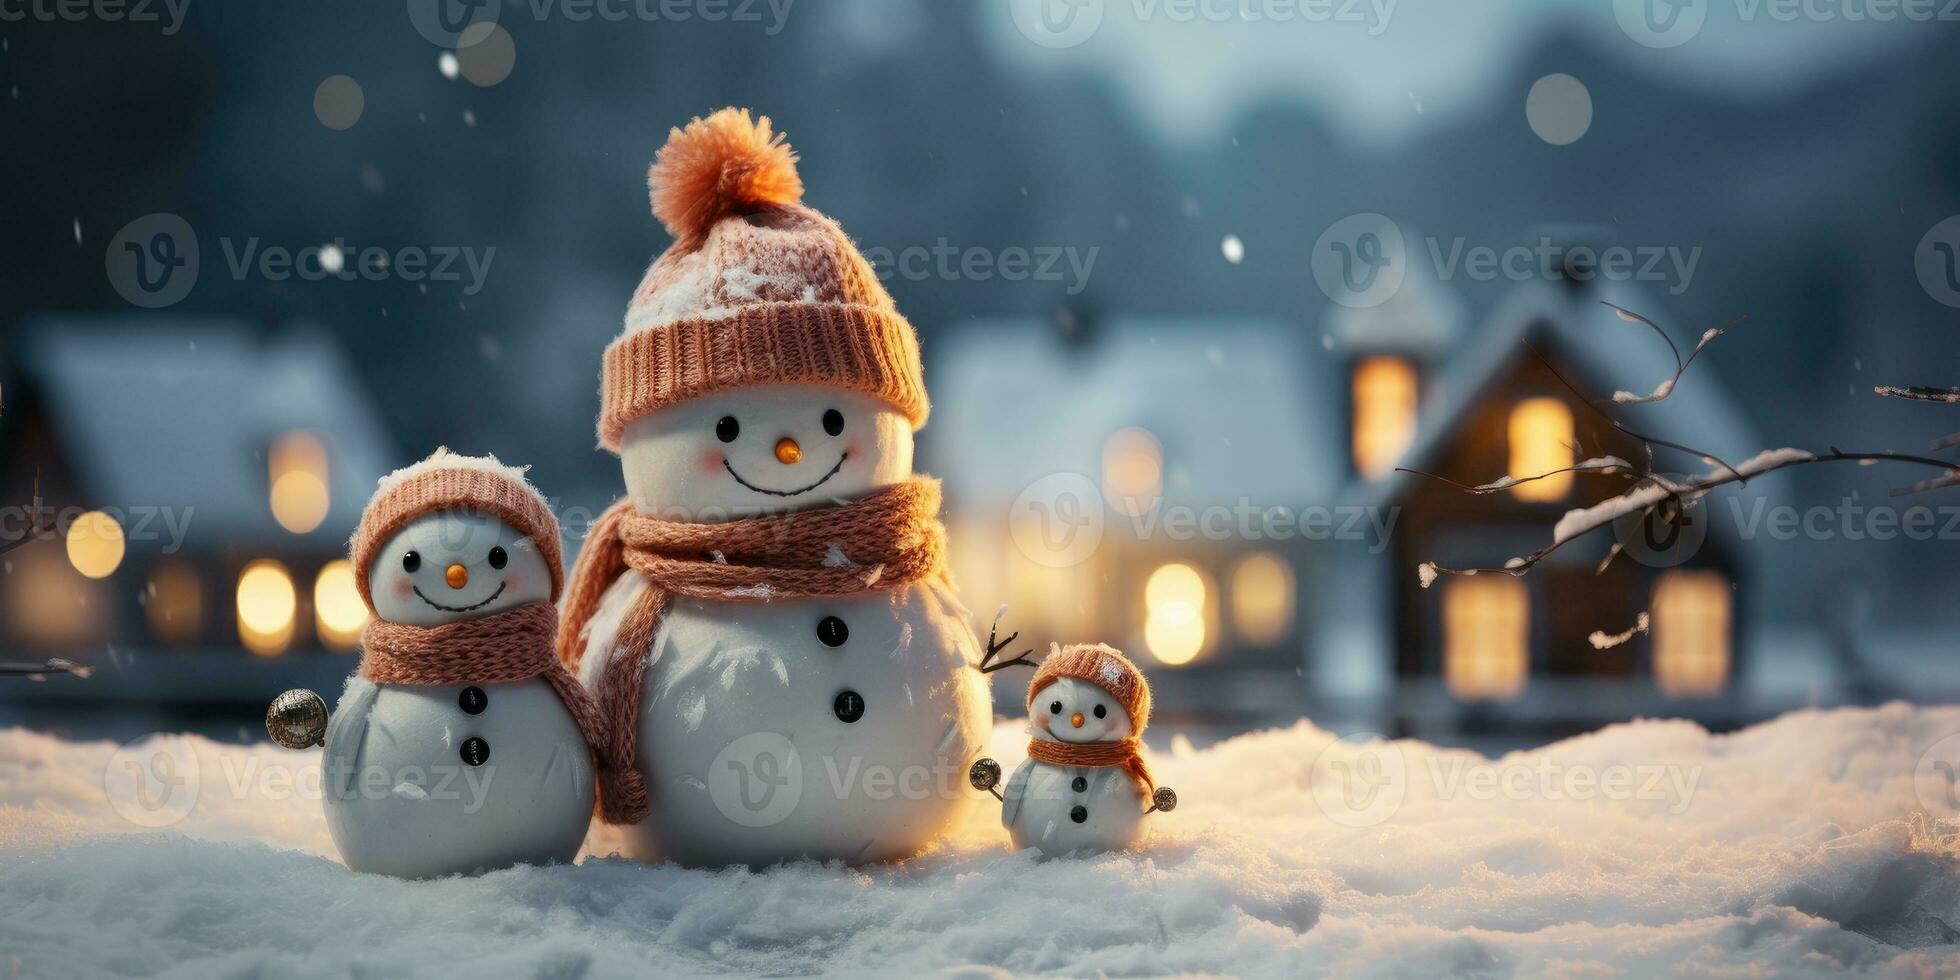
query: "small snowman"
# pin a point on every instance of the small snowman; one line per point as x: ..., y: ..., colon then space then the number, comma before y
x: 1084, y: 787
x: 461, y: 743
x: 765, y: 619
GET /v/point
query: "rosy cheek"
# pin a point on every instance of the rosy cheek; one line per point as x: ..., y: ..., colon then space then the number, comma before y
x: 1042, y: 722
x: 851, y: 449
x: 711, y: 460
x: 402, y: 588
x: 514, y: 583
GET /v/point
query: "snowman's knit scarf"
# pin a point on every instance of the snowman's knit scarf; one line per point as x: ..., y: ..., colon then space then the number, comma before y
x: 886, y: 540
x: 501, y: 648
x: 1127, y: 752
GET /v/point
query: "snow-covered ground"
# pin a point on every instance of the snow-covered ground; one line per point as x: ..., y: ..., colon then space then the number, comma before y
x: 1817, y: 842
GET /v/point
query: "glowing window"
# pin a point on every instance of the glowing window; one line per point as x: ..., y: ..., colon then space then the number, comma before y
x: 95, y: 544
x: 174, y: 603
x: 1541, y: 441
x: 1133, y: 471
x: 1486, y: 637
x: 1384, y: 413
x: 1691, y: 633
x: 339, y: 614
x: 49, y: 605
x: 1262, y: 599
x: 297, y: 469
x: 1174, y: 623
x: 266, y: 604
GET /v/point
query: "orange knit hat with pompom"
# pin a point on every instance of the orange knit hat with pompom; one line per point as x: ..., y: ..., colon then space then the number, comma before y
x: 1103, y: 666
x: 757, y: 288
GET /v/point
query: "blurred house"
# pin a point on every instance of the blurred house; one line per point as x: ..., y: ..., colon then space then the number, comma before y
x: 1516, y: 400
x: 183, y: 492
x: 1114, y: 482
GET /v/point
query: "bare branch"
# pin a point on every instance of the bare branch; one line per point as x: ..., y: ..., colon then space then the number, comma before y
x: 1666, y: 388
x: 1650, y: 441
x: 1682, y: 494
x: 1603, y: 465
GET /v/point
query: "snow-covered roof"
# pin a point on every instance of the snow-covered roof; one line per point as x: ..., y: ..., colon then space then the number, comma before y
x: 179, y: 411
x: 1235, y: 404
x: 1602, y: 350
x: 1423, y: 316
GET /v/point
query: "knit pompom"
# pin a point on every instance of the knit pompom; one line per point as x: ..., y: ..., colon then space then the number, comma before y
x: 723, y: 165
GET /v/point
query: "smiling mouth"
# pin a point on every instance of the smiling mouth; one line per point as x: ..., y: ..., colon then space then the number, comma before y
x: 480, y: 605
x: 841, y: 457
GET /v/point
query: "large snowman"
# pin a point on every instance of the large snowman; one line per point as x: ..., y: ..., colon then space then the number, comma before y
x: 764, y: 618
x: 458, y: 744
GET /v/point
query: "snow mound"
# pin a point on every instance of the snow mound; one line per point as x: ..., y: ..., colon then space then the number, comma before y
x: 1821, y: 841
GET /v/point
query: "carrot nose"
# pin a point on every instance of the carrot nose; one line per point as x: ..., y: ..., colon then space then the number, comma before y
x: 1075, y: 719
x: 457, y: 576
x: 787, y: 451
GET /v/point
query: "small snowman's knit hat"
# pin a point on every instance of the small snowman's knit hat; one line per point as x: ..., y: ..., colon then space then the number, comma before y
x: 757, y: 289
x: 1103, y: 666
x: 447, y: 481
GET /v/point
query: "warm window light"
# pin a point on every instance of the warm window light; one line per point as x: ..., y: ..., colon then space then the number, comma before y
x: 1262, y: 599
x: 1384, y: 412
x: 174, y: 603
x: 1691, y: 634
x: 297, y: 470
x: 47, y: 604
x: 1174, y: 624
x: 95, y: 544
x: 266, y: 604
x: 338, y: 611
x: 1486, y: 637
x: 1541, y: 442
x: 1133, y: 471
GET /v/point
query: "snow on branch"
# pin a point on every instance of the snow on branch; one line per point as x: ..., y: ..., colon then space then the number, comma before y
x: 1602, y: 640
x: 1658, y: 495
x: 1920, y: 393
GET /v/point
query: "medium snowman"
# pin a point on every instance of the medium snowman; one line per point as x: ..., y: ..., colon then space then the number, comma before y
x: 461, y: 742
x: 1084, y: 786
x: 764, y: 619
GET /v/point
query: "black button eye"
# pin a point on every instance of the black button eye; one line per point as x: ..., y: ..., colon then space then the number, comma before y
x: 411, y: 562
x: 832, y: 632
x: 833, y: 422
x: 1054, y: 707
x: 499, y: 558
x: 727, y: 429
x: 1102, y: 712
